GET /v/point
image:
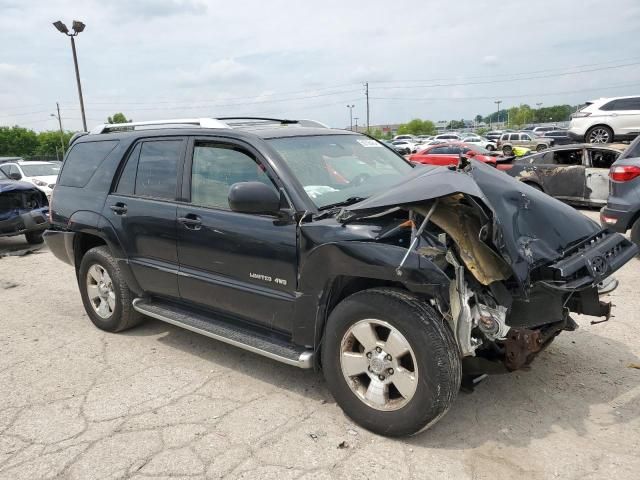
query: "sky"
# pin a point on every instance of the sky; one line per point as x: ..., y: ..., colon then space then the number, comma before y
x: 159, y: 59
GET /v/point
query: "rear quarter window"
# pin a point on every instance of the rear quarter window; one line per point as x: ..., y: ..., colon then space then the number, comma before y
x: 83, y: 161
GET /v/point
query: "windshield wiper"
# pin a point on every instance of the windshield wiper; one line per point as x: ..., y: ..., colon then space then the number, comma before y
x: 344, y: 203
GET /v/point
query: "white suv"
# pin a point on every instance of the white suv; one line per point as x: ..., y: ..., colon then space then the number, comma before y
x: 42, y: 174
x: 606, y: 120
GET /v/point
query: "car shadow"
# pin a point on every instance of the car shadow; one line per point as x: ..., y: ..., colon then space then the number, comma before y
x: 581, y: 379
x: 17, y: 246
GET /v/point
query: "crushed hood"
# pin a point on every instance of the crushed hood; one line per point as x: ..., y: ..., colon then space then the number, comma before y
x: 15, y: 186
x: 528, y: 226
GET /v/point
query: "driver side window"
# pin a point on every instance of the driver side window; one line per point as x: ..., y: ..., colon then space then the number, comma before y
x: 216, y: 168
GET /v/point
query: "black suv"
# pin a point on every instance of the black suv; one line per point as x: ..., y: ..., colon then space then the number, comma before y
x: 622, y: 211
x: 324, y: 248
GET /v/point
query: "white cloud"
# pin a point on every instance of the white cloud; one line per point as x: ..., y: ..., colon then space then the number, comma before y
x: 490, y: 60
x: 221, y: 72
x: 12, y: 73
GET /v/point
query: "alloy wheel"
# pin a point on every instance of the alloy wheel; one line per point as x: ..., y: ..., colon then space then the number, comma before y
x: 100, y: 291
x: 379, y: 365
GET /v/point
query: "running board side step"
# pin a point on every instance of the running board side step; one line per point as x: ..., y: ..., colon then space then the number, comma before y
x: 226, y: 332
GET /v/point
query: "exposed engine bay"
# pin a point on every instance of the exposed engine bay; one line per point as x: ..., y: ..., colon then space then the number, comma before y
x: 519, y: 262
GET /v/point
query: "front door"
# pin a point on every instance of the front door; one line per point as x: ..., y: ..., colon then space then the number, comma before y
x: 599, y: 163
x: 238, y: 264
x: 142, y: 211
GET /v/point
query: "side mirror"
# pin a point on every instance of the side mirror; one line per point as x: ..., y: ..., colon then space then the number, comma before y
x: 15, y: 176
x: 254, y: 197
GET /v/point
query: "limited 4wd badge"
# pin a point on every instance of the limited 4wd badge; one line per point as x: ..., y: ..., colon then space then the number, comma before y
x: 268, y: 278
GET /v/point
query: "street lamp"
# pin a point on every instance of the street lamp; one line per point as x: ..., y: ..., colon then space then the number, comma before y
x: 350, y: 107
x: 77, y: 28
x: 356, y: 119
x: 498, y: 102
x: 60, y: 124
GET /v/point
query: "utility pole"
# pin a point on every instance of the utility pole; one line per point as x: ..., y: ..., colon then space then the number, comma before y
x: 366, y: 92
x: 498, y: 102
x: 60, y: 125
x: 356, y: 119
x: 350, y: 107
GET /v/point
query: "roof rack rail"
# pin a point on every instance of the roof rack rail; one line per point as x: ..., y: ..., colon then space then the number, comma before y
x: 256, y: 121
x: 198, y: 122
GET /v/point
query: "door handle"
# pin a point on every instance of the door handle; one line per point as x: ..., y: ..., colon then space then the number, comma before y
x: 119, y: 208
x: 191, y: 221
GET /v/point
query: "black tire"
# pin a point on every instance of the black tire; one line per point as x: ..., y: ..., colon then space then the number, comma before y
x: 34, y: 238
x: 541, y: 147
x: 437, y: 360
x: 507, y: 150
x: 123, y: 315
x: 491, y: 148
x: 635, y: 232
x: 599, y: 131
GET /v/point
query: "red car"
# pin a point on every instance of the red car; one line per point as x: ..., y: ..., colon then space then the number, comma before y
x: 449, y: 154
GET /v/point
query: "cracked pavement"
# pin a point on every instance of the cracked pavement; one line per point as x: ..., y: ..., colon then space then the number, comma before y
x: 160, y: 402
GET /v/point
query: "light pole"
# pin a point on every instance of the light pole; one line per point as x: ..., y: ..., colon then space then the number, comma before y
x: 77, y: 28
x: 350, y: 107
x: 539, y: 104
x: 356, y: 119
x: 498, y: 102
x: 60, y: 124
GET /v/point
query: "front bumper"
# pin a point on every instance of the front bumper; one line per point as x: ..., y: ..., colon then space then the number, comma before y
x: 33, y: 221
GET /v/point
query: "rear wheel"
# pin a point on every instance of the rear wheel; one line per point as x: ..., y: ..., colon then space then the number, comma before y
x: 34, y: 238
x: 491, y: 148
x: 599, y: 134
x: 635, y: 232
x: 105, y: 295
x: 390, y: 361
x: 541, y: 147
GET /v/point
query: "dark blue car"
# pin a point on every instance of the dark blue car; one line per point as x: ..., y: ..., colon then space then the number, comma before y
x: 24, y: 210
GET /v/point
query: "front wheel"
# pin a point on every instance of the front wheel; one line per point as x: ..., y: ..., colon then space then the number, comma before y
x: 491, y: 148
x: 507, y: 150
x: 33, y: 238
x: 390, y: 361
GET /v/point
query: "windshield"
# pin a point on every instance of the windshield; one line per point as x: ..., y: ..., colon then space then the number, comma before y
x: 340, y: 168
x: 40, y: 170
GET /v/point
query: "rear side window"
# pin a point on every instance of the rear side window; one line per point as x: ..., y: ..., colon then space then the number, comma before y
x: 83, y: 160
x: 158, y: 169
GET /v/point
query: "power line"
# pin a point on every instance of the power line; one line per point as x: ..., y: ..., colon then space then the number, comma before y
x: 460, y: 84
x: 510, y: 74
x: 546, y: 94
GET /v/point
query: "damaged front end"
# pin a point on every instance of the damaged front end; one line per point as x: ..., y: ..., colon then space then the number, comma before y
x: 519, y: 261
x: 23, y: 209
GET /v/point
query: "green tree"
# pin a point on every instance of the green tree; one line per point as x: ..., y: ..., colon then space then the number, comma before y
x: 49, y: 142
x: 118, y: 118
x: 417, y: 127
x: 478, y: 118
x: 455, y: 124
x: 17, y: 141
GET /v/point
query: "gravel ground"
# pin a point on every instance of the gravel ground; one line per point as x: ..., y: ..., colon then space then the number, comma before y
x: 159, y: 402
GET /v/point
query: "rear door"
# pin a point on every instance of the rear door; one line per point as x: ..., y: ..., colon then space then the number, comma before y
x: 239, y: 264
x: 142, y: 210
x: 599, y: 161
